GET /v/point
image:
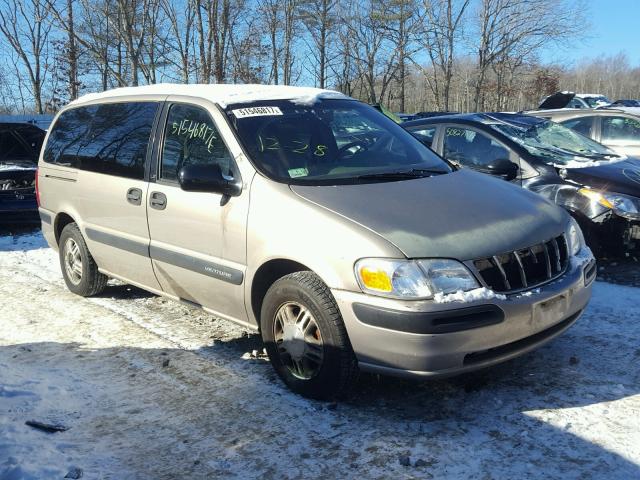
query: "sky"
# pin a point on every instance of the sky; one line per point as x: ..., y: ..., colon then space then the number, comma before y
x: 614, y: 28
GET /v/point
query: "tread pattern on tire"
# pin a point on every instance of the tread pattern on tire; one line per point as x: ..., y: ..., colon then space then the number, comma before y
x: 95, y: 281
x: 349, y: 367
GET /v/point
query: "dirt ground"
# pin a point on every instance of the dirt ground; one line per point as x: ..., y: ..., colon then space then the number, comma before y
x: 151, y: 389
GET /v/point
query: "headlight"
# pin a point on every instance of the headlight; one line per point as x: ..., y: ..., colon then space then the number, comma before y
x: 574, y: 237
x: 412, y: 279
x: 623, y: 205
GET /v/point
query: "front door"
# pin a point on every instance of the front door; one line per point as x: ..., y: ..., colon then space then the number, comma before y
x: 621, y: 133
x: 198, y: 239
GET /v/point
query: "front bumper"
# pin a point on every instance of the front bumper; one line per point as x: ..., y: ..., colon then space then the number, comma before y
x: 427, y: 339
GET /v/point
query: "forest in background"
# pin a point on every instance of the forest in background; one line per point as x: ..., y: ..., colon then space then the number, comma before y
x: 409, y: 55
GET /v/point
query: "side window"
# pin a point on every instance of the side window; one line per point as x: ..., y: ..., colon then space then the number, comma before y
x: 621, y: 130
x: 470, y: 148
x: 67, y: 134
x: 424, y: 134
x: 581, y: 125
x: 191, y: 137
x: 118, y: 139
x: 575, y: 103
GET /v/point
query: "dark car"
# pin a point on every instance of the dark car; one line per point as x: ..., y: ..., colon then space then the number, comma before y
x: 626, y: 103
x: 600, y: 188
x: 19, y: 149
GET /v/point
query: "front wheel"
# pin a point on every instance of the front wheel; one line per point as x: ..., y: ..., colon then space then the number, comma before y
x: 305, y: 337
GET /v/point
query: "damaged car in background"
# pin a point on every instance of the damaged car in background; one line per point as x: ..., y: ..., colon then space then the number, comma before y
x: 19, y: 149
x: 599, y: 187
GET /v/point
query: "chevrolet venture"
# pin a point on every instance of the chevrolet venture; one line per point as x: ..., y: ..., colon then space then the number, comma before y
x: 314, y: 219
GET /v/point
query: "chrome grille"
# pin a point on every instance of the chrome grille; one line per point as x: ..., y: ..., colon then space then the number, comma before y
x: 524, y: 268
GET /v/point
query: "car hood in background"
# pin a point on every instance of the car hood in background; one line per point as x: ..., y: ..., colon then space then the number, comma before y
x: 557, y: 100
x: 462, y: 215
x: 618, y: 177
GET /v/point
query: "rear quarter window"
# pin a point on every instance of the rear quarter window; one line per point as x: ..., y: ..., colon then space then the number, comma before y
x: 108, y: 138
x: 66, y: 135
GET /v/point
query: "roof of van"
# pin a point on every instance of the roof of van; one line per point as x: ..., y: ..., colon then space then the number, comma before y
x: 221, y: 94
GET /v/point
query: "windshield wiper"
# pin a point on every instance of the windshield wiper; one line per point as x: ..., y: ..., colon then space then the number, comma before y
x: 402, y: 174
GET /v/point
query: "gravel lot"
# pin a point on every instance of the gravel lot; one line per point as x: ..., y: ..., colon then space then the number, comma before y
x: 150, y: 389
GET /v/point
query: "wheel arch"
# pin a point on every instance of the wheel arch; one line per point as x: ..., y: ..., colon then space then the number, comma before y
x: 62, y: 220
x: 266, y: 275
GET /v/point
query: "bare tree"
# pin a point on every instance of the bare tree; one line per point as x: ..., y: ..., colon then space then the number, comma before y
x: 319, y: 17
x: 441, y: 30
x: 181, y: 22
x: 25, y: 26
x: 510, y: 28
x: 402, y: 20
x: 374, y: 55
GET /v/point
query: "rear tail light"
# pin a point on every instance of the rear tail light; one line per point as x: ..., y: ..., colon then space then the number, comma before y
x: 37, y: 189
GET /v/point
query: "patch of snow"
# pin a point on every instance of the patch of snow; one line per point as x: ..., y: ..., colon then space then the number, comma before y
x: 530, y: 293
x: 10, y: 167
x: 481, y: 293
x: 589, y: 163
x: 584, y: 256
x: 222, y: 94
x: 99, y: 366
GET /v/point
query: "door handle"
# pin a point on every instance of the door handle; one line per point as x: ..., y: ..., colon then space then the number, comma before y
x: 134, y: 196
x: 158, y: 200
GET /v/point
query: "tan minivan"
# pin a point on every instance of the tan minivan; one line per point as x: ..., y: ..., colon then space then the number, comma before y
x: 314, y: 219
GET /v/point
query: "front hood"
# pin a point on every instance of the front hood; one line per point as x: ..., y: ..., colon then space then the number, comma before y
x: 462, y: 215
x: 557, y: 100
x: 618, y: 177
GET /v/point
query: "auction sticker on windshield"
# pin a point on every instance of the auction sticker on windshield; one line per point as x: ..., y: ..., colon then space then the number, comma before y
x: 256, y: 112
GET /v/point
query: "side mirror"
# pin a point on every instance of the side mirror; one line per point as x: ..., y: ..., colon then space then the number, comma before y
x: 207, y: 178
x: 502, y: 168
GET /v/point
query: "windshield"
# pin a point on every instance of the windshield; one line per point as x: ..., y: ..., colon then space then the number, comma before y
x: 556, y: 143
x: 329, y: 142
x: 596, y: 101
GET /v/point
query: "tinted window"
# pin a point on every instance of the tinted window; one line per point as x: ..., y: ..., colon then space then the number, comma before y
x: 621, y: 130
x: 118, y: 139
x: 580, y: 125
x: 192, y: 138
x: 424, y: 134
x: 471, y: 148
x: 67, y: 134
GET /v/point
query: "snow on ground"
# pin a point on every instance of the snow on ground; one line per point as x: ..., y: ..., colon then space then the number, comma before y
x: 151, y: 389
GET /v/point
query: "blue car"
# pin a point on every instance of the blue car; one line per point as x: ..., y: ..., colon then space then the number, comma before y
x: 19, y: 149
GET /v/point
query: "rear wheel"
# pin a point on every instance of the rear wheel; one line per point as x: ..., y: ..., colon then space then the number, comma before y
x: 78, y: 267
x: 305, y: 337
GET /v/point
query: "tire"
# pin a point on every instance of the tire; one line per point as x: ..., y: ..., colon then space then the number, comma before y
x: 336, y: 371
x: 85, y: 280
